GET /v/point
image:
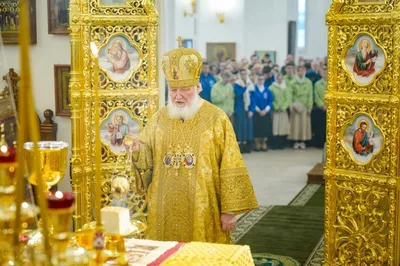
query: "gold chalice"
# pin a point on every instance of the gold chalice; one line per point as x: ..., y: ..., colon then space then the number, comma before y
x: 53, y: 156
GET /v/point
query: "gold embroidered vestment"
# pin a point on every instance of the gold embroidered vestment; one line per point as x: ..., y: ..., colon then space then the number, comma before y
x: 197, y: 174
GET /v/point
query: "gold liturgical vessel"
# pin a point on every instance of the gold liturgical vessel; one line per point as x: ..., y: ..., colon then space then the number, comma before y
x: 53, y: 158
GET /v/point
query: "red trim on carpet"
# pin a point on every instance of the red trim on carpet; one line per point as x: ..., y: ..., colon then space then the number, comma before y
x: 166, y: 255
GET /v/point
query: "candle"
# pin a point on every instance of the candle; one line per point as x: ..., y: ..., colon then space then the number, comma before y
x: 28, y: 123
x: 60, y: 200
x: 95, y: 56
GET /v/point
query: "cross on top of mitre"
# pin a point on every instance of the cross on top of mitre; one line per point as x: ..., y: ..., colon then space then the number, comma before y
x: 179, y: 40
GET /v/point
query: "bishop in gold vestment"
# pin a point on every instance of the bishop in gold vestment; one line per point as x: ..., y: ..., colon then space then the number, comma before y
x: 198, y: 176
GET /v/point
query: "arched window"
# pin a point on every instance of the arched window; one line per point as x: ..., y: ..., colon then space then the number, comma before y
x: 301, y: 24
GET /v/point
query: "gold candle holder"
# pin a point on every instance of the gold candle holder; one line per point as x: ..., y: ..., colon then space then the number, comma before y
x: 60, y: 217
x: 115, y: 244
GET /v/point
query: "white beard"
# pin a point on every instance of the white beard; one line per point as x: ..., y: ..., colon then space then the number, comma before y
x: 187, y: 112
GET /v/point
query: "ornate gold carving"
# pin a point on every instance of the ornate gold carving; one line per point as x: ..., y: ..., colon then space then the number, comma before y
x: 362, y: 203
x: 136, y: 21
x: 362, y: 224
x: 358, y: 6
x: 132, y: 7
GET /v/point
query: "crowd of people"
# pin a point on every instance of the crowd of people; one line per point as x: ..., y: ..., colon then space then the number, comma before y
x: 271, y: 107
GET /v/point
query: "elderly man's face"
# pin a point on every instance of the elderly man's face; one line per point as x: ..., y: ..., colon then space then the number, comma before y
x: 315, y: 65
x: 182, y: 97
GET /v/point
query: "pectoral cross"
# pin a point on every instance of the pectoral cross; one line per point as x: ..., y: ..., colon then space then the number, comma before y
x: 179, y: 40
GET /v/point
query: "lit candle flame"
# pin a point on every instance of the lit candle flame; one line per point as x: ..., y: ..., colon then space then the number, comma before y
x: 3, y: 149
x: 25, y: 205
x: 59, y: 195
x: 94, y: 49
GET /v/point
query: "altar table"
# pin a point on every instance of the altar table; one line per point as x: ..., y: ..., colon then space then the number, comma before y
x: 153, y: 253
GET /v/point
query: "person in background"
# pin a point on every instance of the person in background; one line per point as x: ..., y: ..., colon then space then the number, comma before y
x: 233, y: 79
x: 320, y: 111
x: 207, y: 82
x: 261, y: 105
x: 288, y: 59
x: 290, y: 75
x: 252, y: 77
x: 307, y: 66
x: 314, y: 76
x: 280, y: 118
x: 275, y: 69
x: 244, y: 63
x: 300, y: 109
x: 243, y: 118
x: 266, y: 60
x: 222, y: 94
x: 254, y: 60
x: 269, y: 78
x: 215, y: 72
x: 313, y: 73
x: 302, y: 61
x: 257, y: 69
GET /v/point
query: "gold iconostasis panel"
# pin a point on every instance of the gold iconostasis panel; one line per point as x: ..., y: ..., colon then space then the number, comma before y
x: 362, y: 167
x: 125, y: 32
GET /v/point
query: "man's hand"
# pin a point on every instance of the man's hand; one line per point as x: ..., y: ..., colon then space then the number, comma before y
x: 132, y: 143
x: 263, y: 113
x: 228, y: 222
x: 308, y: 113
x: 291, y: 110
x: 250, y: 114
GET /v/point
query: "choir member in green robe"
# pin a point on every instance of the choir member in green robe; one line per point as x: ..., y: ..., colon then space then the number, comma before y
x: 300, y: 111
x: 280, y: 118
x: 222, y: 94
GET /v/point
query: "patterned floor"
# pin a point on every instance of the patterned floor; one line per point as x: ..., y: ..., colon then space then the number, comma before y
x: 247, y: 221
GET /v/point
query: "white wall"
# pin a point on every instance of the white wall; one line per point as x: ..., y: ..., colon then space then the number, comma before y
x: 266, y: 27
x: 316, y: 30
x: 205, y: 27
x: 49, y: 50
x: 253, y: 25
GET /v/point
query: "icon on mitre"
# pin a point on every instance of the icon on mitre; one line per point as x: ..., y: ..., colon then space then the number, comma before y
x: 98, y: 241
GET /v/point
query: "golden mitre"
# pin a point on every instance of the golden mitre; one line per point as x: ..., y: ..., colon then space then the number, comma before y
x: 182, y: 66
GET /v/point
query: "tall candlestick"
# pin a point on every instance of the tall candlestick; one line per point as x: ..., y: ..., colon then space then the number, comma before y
x: 28, y: 124
x: 95, y: 56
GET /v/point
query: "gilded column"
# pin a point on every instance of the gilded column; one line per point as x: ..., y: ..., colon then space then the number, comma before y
x: 362, y: 168
x: 128, y: 95
x: 76, y: 107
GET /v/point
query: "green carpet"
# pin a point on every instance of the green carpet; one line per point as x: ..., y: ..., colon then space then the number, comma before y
x: 266, y: 259
x: 291, y: 231
x: 318, y: 199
